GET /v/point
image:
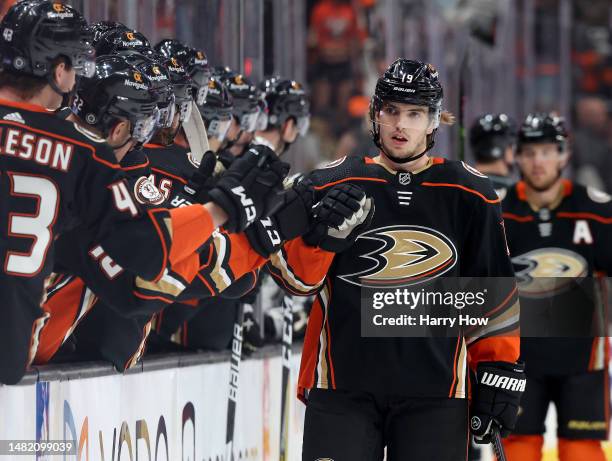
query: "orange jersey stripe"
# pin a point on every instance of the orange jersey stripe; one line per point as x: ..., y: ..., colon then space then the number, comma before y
x: 355, y: 178
x: 459, y: 186
x: 585, y: 215
x: 518, y: 218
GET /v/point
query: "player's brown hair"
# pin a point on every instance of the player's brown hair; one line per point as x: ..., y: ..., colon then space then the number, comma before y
x: 447, y: 118
x: 27, y: 86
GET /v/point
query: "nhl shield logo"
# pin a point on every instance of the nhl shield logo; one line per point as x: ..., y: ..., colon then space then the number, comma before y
x: 404, y: 178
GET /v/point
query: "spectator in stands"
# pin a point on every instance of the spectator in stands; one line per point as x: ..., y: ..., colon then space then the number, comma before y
x: 357, y: 139
x: 592, y: 151
x: 335, y: 41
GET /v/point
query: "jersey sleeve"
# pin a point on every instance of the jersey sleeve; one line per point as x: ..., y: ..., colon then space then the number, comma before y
x: 298, y: 268
x: 225, y: 259
x: 143, y: 240
x: 486, y: 262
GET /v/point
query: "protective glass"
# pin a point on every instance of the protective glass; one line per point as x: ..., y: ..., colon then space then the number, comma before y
x: 248, y: 122
x: 303, y: 123
x: 144, y: 128
x: 184, y: 111
x: 218, y: 128
x: 166, y: 114
x: 414, y: 118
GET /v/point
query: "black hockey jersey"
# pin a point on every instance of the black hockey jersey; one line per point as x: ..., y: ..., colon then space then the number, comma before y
x: 54, y: 176
x: 444, y: 220
x: 561, y: 255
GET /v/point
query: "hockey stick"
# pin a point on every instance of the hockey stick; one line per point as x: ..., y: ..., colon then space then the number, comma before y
x: 195, y: 132
x: 232, y: 398
x: 498, y: 448
x: 286, y: 379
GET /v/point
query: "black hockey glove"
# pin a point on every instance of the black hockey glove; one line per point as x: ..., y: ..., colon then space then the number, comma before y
x: 249, y: 187
x: 201, y: 181
x: 339, y: 218
x: 496, y: 398
x: 291, y: 218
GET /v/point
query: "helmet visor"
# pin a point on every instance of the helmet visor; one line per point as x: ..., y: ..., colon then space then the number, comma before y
x: 218, y: 128
x: 184, y: 111
x: 248, y: 121
x: 145, y: 127
x: 201, y: 94
x: 166, y: 113
x: 414, y: 118
x: 262, y: 120
x: 303, y: 124
x: 84, y: 63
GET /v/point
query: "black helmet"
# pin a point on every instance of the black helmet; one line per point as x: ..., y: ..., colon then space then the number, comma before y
x: 181, y: 86
x: 410, y: 82
x: 490, y: 135
x: 199, y: 71
x: 217, y: 109
x: 120, y: 39
x: 117, y: 91
x: 144, y: 60
x: 34, y: 34
x: 543, y: 128
x: 195, y: 62
x: 286, y: 99
x: 244, y: 93
x: 102, y: 27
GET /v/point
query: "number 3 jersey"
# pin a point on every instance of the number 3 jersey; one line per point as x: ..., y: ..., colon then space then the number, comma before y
x: 561, y: 255
x: 55, y: 176
x: 442, y: 221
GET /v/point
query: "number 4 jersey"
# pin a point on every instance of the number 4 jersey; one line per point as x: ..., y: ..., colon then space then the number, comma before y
x: 54, y: 176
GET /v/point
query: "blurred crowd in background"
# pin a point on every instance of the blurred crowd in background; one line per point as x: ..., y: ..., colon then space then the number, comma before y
x: 493, y: 56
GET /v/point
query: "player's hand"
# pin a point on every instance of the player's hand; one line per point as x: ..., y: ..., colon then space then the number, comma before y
x: 291, y: 218
x: 496, y: 398
x: 245, y: 191
x: 201, y: 180
x: 338, y: 219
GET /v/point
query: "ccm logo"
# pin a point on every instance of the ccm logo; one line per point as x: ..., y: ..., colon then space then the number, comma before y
x: 247, y: 203
x: 503, y: 382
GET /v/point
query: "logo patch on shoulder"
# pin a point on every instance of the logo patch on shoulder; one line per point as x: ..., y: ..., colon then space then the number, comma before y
x: 406, y: 255
x: 146, y: 192
x: 597, y: 195
x: 473, y: 170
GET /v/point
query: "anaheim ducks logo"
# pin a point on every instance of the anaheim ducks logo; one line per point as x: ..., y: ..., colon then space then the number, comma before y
x: 408, y: 255
x: 548, y: 271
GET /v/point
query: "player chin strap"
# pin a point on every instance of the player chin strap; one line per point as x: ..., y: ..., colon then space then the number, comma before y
x: 64, y: 94
x: 403, y: 160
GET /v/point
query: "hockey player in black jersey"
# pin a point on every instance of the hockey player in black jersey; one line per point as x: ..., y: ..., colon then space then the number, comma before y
x: 560, y: 239
x: 432, y: 217
x: 492, y: 140
x: 57, y: 175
